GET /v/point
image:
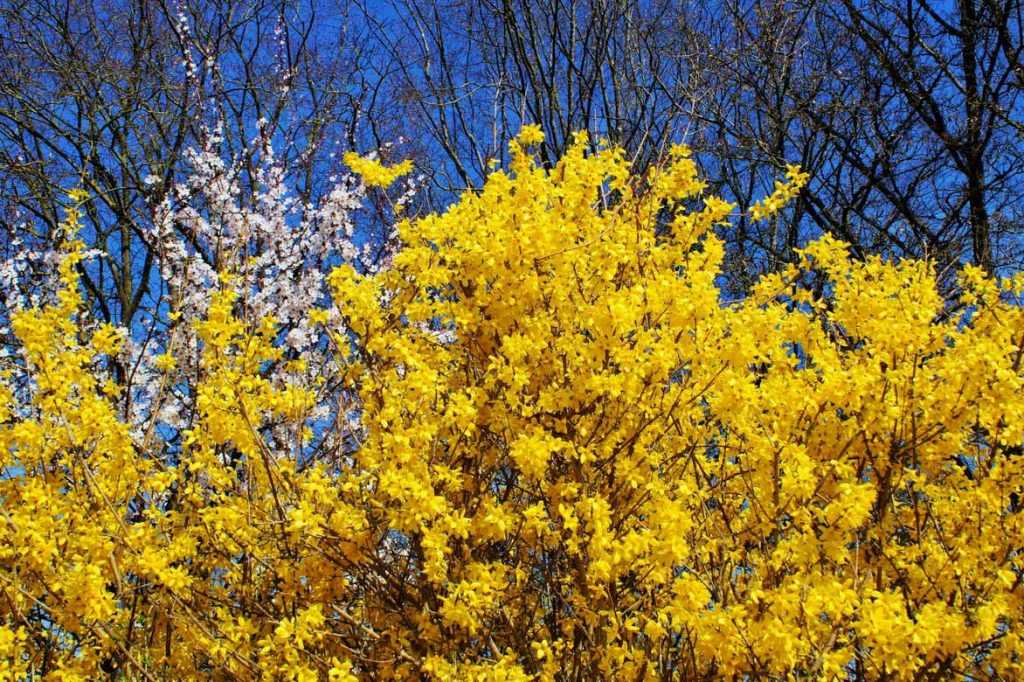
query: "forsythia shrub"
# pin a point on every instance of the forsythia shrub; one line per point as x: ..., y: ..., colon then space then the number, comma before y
x: 575, y: 461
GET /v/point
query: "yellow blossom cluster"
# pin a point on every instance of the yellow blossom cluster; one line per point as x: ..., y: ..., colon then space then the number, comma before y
x: 373, y: 172
x: 783, y: 193
x: 576, y: 462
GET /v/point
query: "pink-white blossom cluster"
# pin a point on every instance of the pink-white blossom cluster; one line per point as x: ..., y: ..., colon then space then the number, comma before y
x: 235, y: 222
x: 211, y: 230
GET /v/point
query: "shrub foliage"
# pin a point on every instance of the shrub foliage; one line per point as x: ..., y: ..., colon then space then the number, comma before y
x: 571, y: 459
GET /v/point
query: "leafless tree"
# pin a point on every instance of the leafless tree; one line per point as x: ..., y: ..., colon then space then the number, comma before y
x: 108, y: 94
x: 908, y: 114
x: 467, y: 75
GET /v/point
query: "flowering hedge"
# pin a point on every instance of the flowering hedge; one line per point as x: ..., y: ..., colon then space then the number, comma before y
x: 565, y: 457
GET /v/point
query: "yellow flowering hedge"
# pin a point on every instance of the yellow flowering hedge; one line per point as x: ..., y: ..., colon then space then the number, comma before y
x: 576, y: 461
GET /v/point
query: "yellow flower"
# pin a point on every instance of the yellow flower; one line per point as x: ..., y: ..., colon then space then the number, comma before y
x: 530, y: 134
x: 373, y: 172
x: 545, y: 447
